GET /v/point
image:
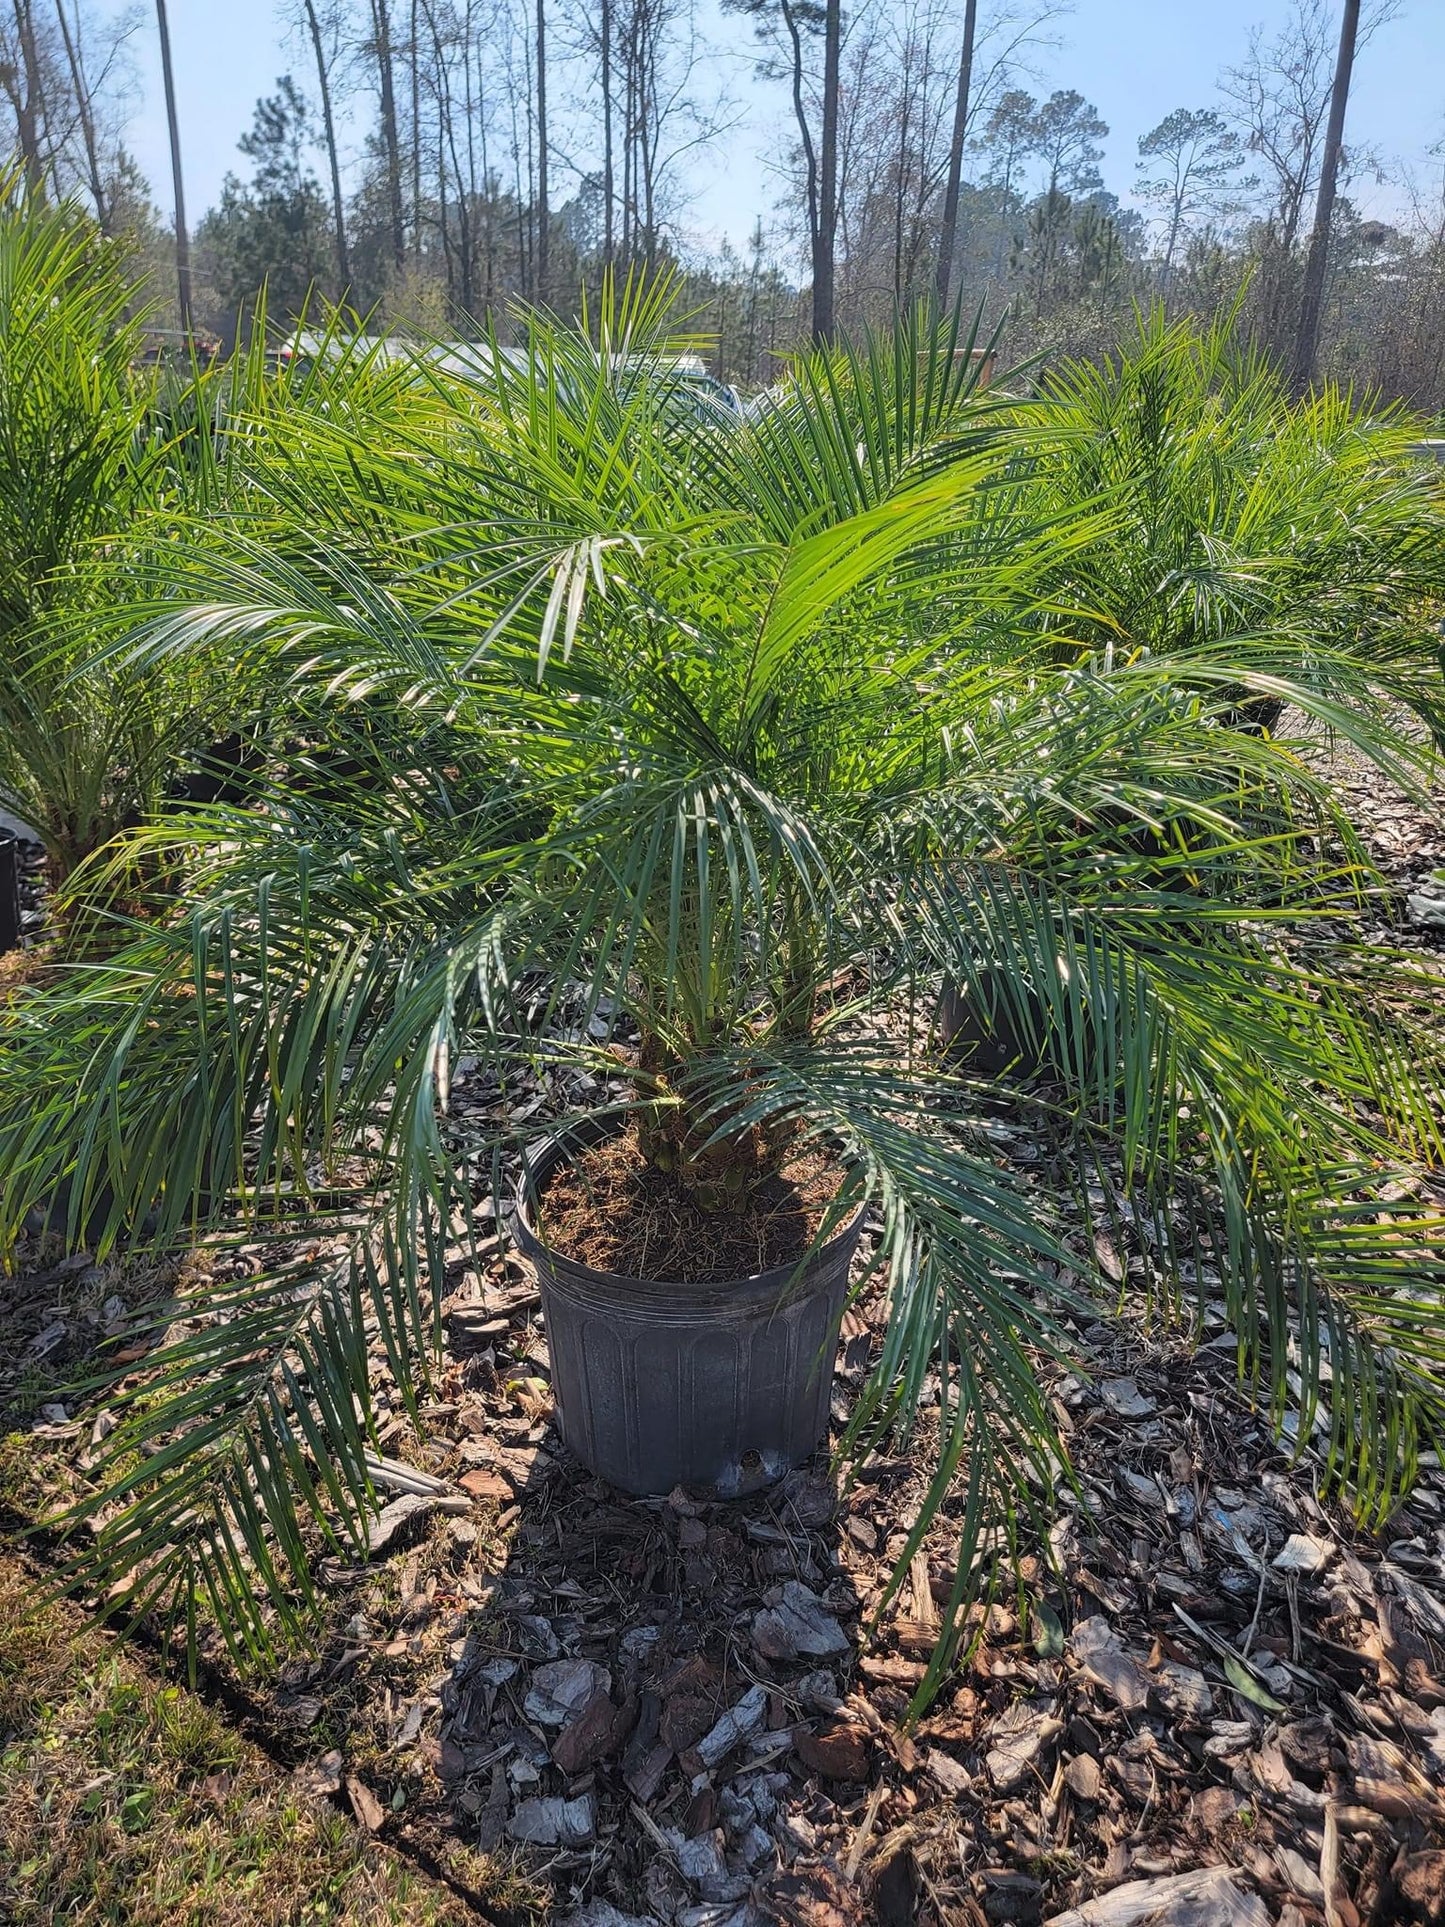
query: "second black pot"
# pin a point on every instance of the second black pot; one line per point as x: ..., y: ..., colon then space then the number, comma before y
x: 10, y: 923
x: 658, y: 1384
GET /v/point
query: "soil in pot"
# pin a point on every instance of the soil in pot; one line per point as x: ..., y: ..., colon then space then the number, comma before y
x: 687, y: 1346
x: 614, y: 1211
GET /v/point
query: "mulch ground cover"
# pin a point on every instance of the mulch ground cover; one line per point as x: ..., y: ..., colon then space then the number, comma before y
x: 1207, y: 1698
x: 1228, y: 1707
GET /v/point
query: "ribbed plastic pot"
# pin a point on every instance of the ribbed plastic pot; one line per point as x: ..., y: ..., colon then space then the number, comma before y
x: 659, y: 1384
x: 10, y: 923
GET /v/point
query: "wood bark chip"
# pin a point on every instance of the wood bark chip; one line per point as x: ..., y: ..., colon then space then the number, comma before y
x: 837, y: 1751
x: 1420, y: 1883
x: 364, y: 1803
x: 590, y: 1735
x: 553, y: 1822
x: 1210, y: 1897
x: 685, y: 1719
x: 484, y: 1484
x: 740, y: 1723
x: 795, y: 1624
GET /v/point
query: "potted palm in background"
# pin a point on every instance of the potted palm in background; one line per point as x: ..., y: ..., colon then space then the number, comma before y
x: 1245, y: 524
x: 80, y: 750
x: 719, y: 751
x: 103, y: 456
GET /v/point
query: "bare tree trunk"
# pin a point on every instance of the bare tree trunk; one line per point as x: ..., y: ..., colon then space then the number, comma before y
x: 489, y: 232
x: 85, y: 112
x: 522, y: 194
x: 825, y: 245
x: 755, y: 276
x: 805, y: 132
x: 448, y: 252
x: 472, y: 103
x: 605, y: 28
x: 1004, y: 204
x: 948, y: 234
x: 415, y: 130
x: 648, y: 133
x: 479, y: 203
x: 1307, y: 339
x: 447, y: 143
x: 900, y: 177
x: 25, y: 92
x: 391, y: 144
x: 629, y: 140
x: 1176, y: 219
x: 338, y: 205
x: 544, y: 213
x: 183, y: 239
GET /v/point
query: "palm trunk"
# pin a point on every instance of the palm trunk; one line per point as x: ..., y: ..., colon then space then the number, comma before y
x: 338, y: 205
x: 183, y: 240
x: 1312, y: 300
x: 948, y: 234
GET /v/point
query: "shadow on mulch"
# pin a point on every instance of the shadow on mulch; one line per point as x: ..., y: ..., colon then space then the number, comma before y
x: 1222, y: 1705
x: 658, y: 1697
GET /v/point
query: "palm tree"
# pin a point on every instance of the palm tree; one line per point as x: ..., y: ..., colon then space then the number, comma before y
x: 101, y: 458
x: 732, y: 746
x: 1242, y: 525
x: 84, y: 745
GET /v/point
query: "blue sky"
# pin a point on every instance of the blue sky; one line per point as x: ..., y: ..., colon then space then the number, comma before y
x: 1135, y: 59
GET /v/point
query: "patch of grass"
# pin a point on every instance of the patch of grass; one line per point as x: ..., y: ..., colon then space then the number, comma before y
x: 122, y: 1801
x: 33, y: 1386
x: 21, y: 1487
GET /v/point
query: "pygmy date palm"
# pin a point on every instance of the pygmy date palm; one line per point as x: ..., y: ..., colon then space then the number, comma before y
x: 715, y: 751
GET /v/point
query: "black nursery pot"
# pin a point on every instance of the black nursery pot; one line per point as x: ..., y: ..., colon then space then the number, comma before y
x: 722, y: 1385
x: 10, y: 922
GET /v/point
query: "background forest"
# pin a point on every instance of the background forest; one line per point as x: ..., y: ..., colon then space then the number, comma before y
x: 427, y: 161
